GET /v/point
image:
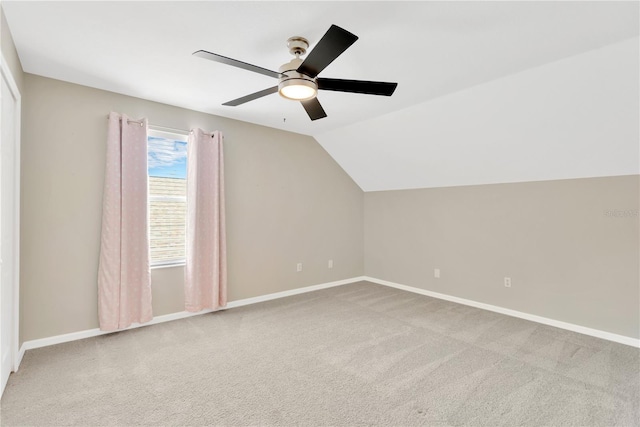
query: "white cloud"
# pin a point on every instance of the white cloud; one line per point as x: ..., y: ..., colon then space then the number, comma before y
x: 165, y: 152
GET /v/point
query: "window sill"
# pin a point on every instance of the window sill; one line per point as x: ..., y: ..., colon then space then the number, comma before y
x: 173, y: 264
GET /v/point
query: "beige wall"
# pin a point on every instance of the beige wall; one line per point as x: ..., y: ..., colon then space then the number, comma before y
x: 287, y: 202
x: 569, y: 257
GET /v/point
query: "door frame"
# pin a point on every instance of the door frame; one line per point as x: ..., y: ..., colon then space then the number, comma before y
x: 7, y: 76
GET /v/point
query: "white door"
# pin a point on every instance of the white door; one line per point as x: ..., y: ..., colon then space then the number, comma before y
x: 9, y: 222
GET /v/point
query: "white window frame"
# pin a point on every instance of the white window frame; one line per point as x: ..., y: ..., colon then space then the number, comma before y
x: 160, y: 132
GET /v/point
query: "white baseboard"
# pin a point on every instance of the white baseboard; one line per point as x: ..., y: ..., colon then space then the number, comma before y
x: 532, y: 317
x: 73, y: 336
x: 19, y: 357
x: 59, y: 339
x: 269, y: 297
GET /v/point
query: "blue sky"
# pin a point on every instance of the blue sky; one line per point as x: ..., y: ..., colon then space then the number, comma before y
x: 167, y: 158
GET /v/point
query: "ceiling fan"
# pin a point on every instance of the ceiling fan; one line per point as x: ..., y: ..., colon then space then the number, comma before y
x: 298, y: 79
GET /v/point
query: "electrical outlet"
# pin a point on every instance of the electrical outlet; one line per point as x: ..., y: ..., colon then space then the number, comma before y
x: 299, y: 267
x: 436, y: 273
x: 330, y: 264
x: 507, y: 282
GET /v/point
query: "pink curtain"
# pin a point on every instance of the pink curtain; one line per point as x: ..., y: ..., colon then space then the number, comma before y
x: 124, y: 280
x: 206, y: 268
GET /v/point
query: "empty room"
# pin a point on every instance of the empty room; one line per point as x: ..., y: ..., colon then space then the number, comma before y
x: 320, y: 213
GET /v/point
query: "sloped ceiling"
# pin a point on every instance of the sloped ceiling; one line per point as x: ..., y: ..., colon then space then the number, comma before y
x: 574, y: 118
x: 446, y: 56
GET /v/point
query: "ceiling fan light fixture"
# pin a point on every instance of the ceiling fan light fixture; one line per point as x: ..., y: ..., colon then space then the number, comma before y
x: 298, y: 89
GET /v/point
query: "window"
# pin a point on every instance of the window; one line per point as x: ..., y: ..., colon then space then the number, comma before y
x: 167, y: 166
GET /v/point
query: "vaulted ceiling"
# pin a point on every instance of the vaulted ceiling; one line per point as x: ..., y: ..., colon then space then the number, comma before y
x: 446, y: 56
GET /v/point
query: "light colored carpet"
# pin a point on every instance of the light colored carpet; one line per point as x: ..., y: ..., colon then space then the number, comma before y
x: 359, y: 354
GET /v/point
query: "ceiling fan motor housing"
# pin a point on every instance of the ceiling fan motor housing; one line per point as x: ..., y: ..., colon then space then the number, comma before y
x: 297, y: 45
x: 306, y: 85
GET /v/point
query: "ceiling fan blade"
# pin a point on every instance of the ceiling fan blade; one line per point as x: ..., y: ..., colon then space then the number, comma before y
x: 335, y: 41
x: 313, y: 108
x: 235, y: 63
x: 357, y: 86
x: 251, y: 97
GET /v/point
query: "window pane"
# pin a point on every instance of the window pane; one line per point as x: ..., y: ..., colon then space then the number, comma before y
x: 167, y: 157
x: 167, y: 230
x: 167, y: 161
x: 167, y: 187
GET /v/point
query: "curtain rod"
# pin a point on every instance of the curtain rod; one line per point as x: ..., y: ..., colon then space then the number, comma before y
x: 164, y: 128
x: 128, y: 120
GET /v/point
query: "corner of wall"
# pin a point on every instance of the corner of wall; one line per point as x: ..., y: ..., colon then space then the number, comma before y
x: 9, y: 51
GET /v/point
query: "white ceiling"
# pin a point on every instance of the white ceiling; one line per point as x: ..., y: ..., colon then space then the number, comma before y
x: 144, y: 49
x: 431, y: 49
x: 574, y: 118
